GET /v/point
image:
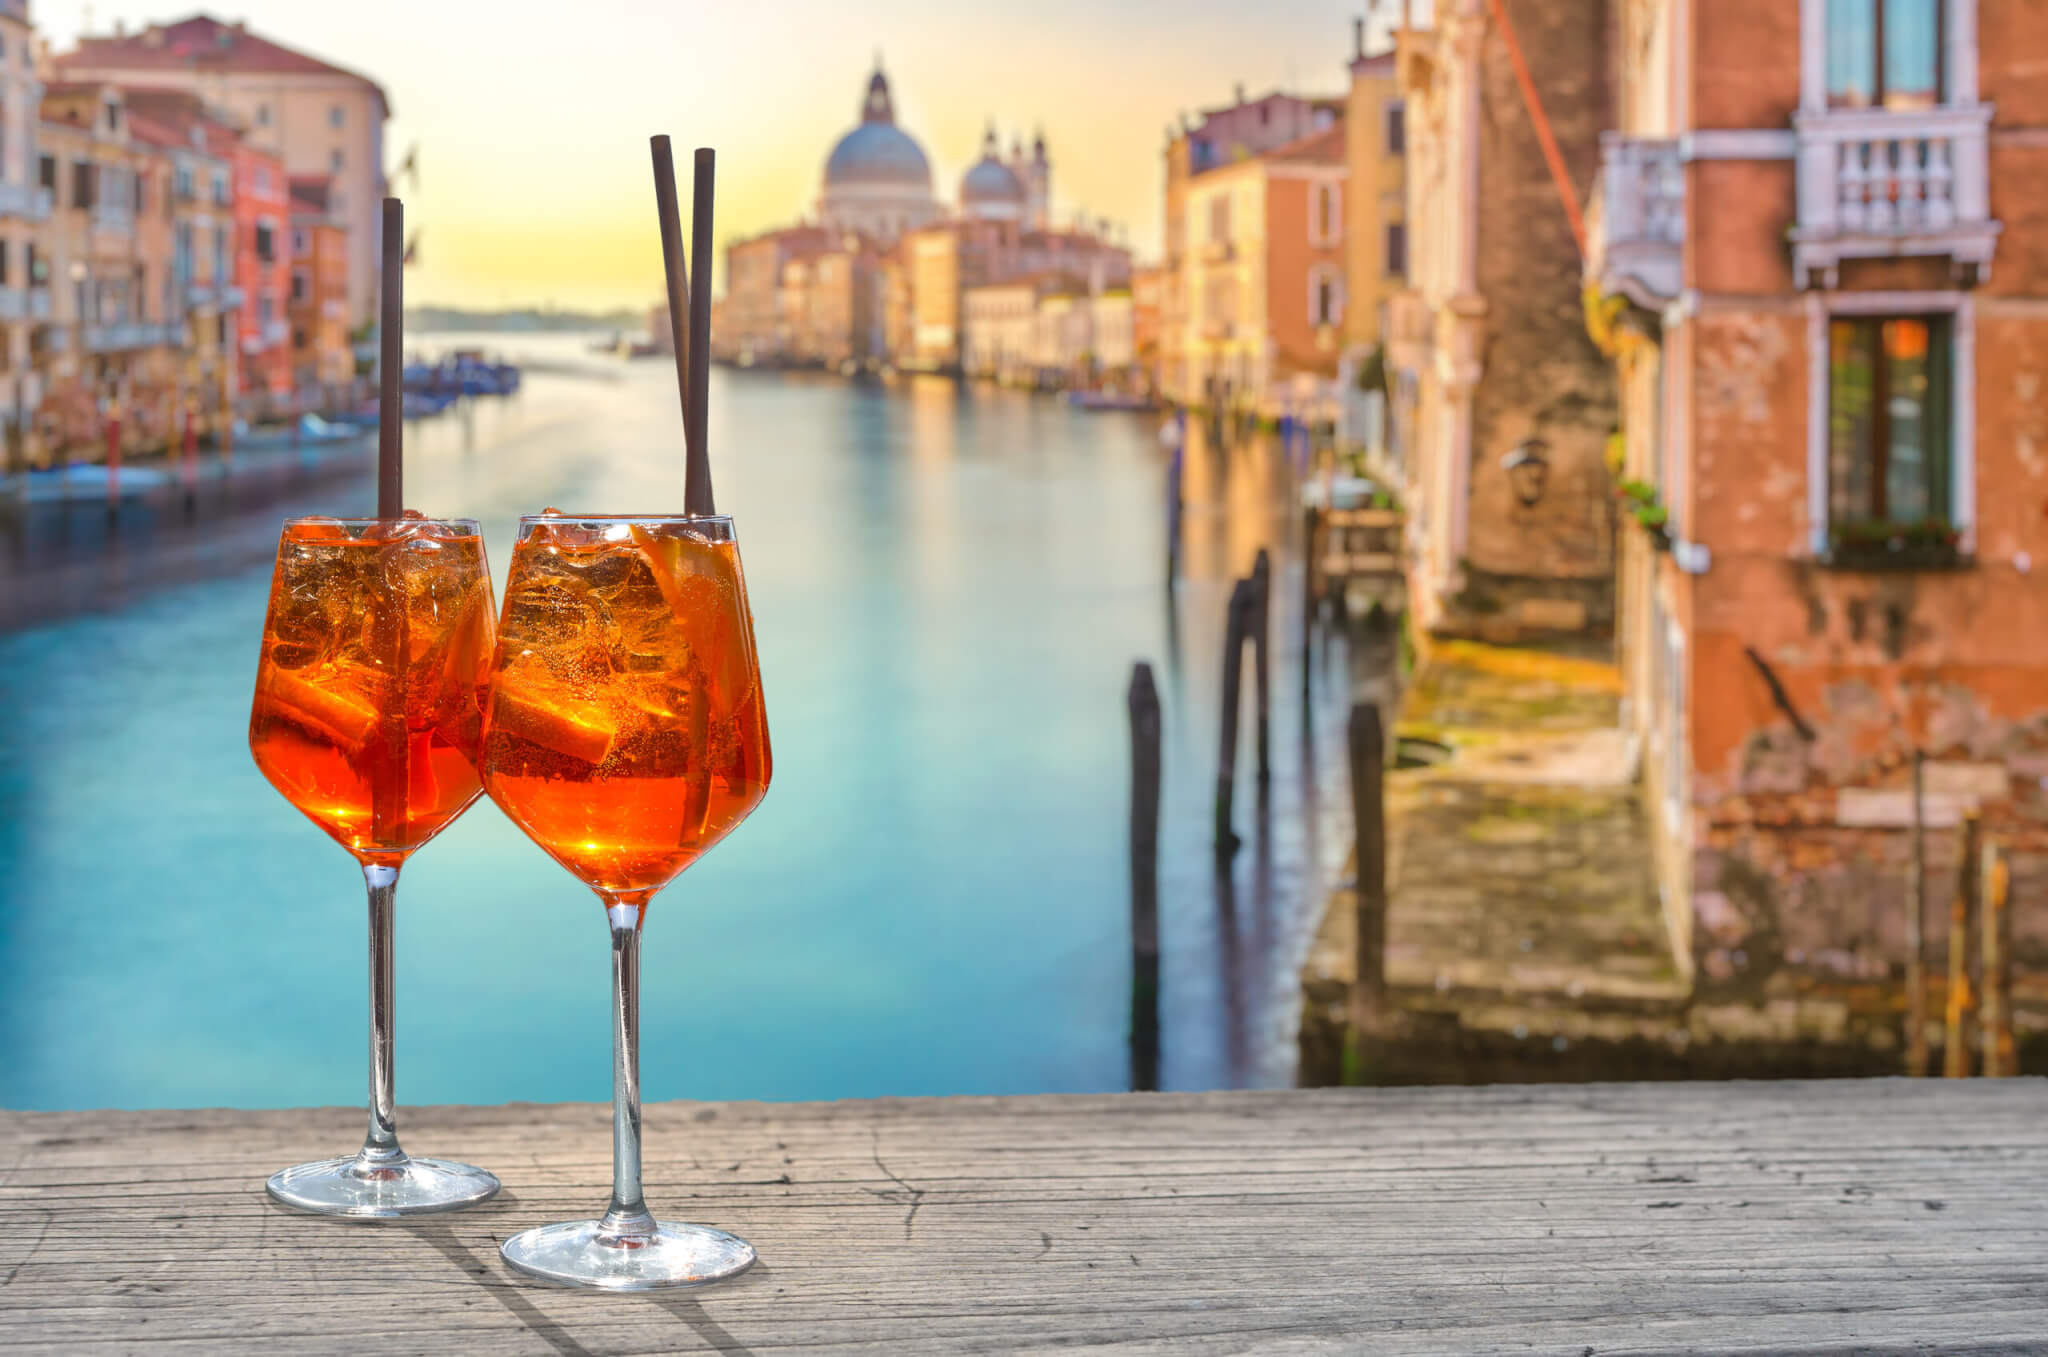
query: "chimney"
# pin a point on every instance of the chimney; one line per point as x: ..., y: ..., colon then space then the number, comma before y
x: 1240, y: 92
x: 120, y: 28
x: 1358, y: 39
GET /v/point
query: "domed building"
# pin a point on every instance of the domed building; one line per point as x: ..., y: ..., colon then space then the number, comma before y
x: 877, y: 179
x: 991, y: 190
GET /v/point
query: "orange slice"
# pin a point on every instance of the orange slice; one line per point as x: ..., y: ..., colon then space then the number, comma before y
x: 578, y: 732
x: 344, y: 718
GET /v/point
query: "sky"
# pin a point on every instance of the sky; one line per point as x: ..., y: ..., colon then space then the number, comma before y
x: 532, y: 118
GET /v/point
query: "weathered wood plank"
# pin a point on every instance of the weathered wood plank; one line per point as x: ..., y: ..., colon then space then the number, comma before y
x: 1625, y: 1218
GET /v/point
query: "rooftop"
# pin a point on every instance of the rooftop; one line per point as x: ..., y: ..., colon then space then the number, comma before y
x: 202, y: 43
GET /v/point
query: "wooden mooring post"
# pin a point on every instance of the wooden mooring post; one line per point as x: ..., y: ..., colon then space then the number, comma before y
x: 1916, y: 932
x: 1262, y: 630
x: 1962, y: 918
x: 1237, y: 625
x: 1368, y: 812
x: 1144, y: 709
x: 1175, y: 506
x: 2001, y: 1057
x: 1309, y: 522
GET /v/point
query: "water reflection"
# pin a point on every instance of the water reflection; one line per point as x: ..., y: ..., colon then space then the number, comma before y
x: 950, y: 588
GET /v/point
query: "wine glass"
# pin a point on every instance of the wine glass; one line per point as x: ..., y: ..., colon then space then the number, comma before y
x: 625, y: 733
x: 367, y: 717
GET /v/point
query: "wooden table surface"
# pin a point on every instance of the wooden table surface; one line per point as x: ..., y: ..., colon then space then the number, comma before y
x: 1880, y: 1215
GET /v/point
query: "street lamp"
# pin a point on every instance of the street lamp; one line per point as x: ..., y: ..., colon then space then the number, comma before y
x: 1528, y: 468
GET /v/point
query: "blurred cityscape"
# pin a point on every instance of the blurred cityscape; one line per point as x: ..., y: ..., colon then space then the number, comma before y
x: 1645, y: 399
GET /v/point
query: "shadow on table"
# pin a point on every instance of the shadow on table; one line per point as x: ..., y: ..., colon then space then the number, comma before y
x: 508, y: 1291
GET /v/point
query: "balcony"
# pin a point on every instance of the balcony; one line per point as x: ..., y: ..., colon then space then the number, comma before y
x: 26, y: 202
x: 110, y: 220
x: 127, y: 335
x: 1218, y: 252
x: 199, y: 295
x: 1637, y: 227
x: 1876, y: 184
x: 1216, y: 331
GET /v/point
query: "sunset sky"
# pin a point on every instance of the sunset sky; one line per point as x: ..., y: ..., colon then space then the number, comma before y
x: 532, y: 119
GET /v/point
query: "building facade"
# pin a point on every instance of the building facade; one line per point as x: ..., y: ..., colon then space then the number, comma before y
x: 1375, y: 198
x: 25, y: 206
x: 318, y: 118
x: 318, y: 308
x: 1501, y: 406
x: 1819, y: 262
x: 1219, y: 142
x: 1263, y: 279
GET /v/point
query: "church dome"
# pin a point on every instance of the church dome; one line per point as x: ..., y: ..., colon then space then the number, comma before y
x: 878, y: 154
x: 990, y: 182
x: 990, y: 188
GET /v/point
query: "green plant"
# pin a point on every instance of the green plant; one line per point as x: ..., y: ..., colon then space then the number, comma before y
x: 1372, y: 373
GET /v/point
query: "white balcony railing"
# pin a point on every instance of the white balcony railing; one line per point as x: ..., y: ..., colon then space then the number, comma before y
x: 28, y: 202
x: 116, y: 220
x: 13, y: 303
x: 39, y: 303
x: 1638, y: 232
x: 1877, y: 184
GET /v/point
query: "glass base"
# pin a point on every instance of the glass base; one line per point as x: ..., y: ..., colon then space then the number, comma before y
x: 583, y: 1253
x: 370, y: 1189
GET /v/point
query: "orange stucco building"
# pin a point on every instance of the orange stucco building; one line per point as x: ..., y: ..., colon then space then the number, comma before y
x: 1819, y: 259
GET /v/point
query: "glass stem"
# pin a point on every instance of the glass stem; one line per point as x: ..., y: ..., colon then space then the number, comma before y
x: 380, y: 1146
x: 627, y: 1215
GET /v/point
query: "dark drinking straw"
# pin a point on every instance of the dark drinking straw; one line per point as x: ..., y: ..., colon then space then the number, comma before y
x: 390, y: 375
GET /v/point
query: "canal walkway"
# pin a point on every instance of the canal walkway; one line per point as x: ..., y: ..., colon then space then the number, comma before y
x: 1766, y: 1217
x: 1524, y: 937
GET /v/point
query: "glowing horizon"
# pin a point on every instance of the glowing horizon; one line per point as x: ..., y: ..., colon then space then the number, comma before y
x: 584, y: 238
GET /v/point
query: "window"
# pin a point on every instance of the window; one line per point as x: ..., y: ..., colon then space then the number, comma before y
x: 138, y: 183
x: 1219, y: 218
x: 1397, y: 249
x: 265, y: 309
x: 334, y: 159
x: 1325, y: 214
x: 1888, y: 429
x: 220, y: 257
x: 46, y: 172
x: 336, y: 116
x: 38, y: 267
x: 81, y: 183
x: 1397, y: 128
x: 266, y: 242
x: 1884, y: 53
x: 300, y: 286
x: 184, y: 178
x: 263, y: 115
x: 260, y: 177
x: 4, y: 262
x: 113, y: 111
x: 1325, y: 296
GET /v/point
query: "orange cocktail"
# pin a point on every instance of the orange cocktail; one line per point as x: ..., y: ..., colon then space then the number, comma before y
x: 625, y: 731
x: 369, y: 696
x: 368, y: 716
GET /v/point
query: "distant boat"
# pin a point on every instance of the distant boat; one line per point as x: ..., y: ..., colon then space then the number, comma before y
x: 1108, y: 400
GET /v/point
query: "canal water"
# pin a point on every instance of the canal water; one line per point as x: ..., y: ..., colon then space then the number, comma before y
x: 950, y: 587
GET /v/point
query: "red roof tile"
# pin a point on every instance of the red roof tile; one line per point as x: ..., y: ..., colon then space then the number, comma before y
x: 201, y: 42
x: 1325, y: 147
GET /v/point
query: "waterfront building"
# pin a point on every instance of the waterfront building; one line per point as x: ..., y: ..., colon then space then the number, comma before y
x: 1263, y: 279
x: 318, y: 308
x: 878, y: 181
x: 24, y: 208
x: 1819, y: 260
x: 1501, y: 405
x: 100, y: 329
x: 262, y: 269
x: 884, y: 273
x: 1148, y: 288
x: 318, y: 118
x: 198, y: 298
x: 1375, y: 242
x: 1222, y: 137
x: 755, y: 316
